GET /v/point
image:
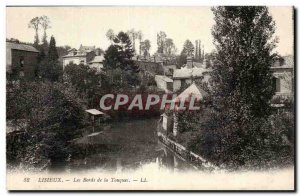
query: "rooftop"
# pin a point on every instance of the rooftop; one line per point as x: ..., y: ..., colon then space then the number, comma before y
x: 194, y: 90
x: 94, y: 112
x: 86, y: 48
x: 164, y: 78
x: 97, y: 59
x: 19, y: 46
x: 188, y: 73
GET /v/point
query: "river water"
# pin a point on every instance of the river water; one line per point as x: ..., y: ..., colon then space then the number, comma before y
x: 124, y: 146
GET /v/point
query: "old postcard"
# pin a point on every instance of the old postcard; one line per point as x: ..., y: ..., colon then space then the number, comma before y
x: 150, y: 98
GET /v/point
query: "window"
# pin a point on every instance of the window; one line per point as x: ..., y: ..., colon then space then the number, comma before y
x: 22, y: 61
x: 276, y: 85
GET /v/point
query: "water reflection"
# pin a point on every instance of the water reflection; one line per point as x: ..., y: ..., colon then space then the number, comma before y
x: 125, y: 146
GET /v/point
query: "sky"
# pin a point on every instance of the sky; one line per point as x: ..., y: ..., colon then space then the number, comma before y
x: 88, y: 25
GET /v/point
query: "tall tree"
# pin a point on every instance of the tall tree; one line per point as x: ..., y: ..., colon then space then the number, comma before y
x: 45, y: 23
x: 52, y: 53
x: 140, y: 37
x: 110, y: 35
x: 133, y: 35
x: 145, y: 47
x: 35, y: 23
x: 243, y: 38
x: 119, y: 56
x: 188, y: 48
x: 197, y: 51
x: 170, y: 48
x: 50, y: 68
x: 241, y: 80
x: 161, y: 39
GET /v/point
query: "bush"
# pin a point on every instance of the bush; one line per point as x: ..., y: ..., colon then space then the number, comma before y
x: 53, y: 113
x: 267, y: 143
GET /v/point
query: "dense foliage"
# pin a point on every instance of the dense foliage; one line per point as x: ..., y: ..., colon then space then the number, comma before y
x: 49, y: 67
x: 239, y: 130
x: 119, y: 56
x: 47, y: 116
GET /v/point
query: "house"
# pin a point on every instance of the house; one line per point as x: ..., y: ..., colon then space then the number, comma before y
x: 283, y: 72
x: 189, y: 73
x: 97, y: 63
x: 169, y: 119
x: 83, y: 55
x: 169, y: 69
x: 165, y: 83
x: 21, y: 60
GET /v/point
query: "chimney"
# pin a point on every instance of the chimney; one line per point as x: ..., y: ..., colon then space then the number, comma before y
x: 189, y: 62
x: 97, y: 51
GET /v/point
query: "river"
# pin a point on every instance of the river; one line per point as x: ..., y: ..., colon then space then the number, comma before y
x: 124, y: 146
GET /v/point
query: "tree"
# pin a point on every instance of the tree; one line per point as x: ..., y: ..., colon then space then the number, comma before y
x: 133, y: 34
x: 110, y: 35
x: 52, y: 53
x: 188, y: 48
x: 161, y: 38
x: 53, y: 113
x: 145, y: 47
x: 49, y: 67
x: 239, y: 128
x: 140, y: 37
x: 243, y: 38
x: 82, y: 77
x: 35, y: 23
x: 45, y: 22
x: 170, y: 48
x: 119, y: 55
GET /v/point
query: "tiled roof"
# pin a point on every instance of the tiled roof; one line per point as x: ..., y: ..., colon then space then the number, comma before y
x: 97, y: 59
x: 189, y: 72
x: 86, y: 48
x: 164, y: 78
x: 18, y: 46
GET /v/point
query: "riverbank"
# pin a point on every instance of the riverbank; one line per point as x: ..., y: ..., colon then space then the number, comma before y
x: 185, y: 154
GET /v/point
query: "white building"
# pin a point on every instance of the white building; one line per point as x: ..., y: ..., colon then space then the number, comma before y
x: 191, y: 72
x: 170, y: 120
x: 97, y: 63
x: 283, y: 72
x: 164, y: 83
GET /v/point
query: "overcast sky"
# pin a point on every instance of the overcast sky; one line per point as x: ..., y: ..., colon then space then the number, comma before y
x: 88, y: 25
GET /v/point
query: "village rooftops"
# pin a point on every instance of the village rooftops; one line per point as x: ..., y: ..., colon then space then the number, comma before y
x: 189, y: 72
x: 81, y: 52
x: 86, y: 48
x: 19, y: 46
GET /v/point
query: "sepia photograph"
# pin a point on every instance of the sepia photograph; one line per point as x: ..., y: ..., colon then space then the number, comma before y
x: 150, y: 98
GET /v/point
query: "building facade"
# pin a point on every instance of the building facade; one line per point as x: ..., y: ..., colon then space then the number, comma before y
x: 283, y: 72
x: 83, y: 55
x: 190, y: 73
x: 21, y: 60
